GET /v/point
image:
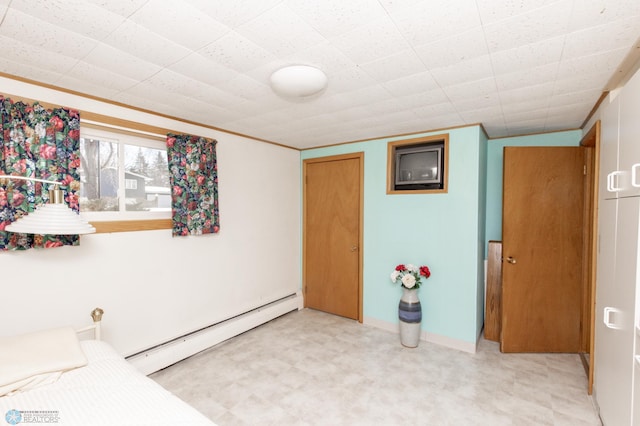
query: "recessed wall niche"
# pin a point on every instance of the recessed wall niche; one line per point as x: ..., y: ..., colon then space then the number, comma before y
x: 418, y: 166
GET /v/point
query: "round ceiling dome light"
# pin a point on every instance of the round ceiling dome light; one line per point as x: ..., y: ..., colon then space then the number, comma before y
x: 298, y: 81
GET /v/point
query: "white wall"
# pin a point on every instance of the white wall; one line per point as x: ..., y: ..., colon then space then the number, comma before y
x: 154, y: 287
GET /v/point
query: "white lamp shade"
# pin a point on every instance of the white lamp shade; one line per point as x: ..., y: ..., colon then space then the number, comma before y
x: 298, y: 81
x: 51, y: 219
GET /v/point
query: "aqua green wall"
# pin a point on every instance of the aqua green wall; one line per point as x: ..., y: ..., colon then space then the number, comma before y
x: 443, y: 231
x: 448, y: 232
x: 494, y: 172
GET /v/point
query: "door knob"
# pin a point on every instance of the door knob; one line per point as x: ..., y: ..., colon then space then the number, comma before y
x: 511, y: 260
x: 353, y: 248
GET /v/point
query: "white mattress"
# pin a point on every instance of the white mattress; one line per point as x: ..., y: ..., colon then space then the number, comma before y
x: 108, y: 391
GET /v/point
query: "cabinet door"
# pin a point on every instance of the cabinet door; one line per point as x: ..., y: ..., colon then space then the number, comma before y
x: 615, y: 307
x: 629, y: 137
x: 605, y: 374
x: 609, y: 172
x: 636, y: 385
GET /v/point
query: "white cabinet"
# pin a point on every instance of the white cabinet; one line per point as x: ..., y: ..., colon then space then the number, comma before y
x: 615, y: 310
x: 607, y: 373
x: 617, y: 340
x: 629, y: 137
x: 620, y: 142
x: 609, y: 173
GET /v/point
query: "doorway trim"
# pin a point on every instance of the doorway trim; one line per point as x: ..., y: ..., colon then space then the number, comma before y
x: 591, y: 142
x: 354, y: 155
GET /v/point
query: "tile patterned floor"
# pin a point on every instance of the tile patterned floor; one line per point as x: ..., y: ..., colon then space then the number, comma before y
x: 312, y: 368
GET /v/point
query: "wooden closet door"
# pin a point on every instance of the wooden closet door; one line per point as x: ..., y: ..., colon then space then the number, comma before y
x: 542, y: 249
x: 332, y: 235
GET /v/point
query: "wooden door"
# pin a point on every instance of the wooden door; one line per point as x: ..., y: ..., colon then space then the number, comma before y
x: 542, y: 236
x: 332, y: 235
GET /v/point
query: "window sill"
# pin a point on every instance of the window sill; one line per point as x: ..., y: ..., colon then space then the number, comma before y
x: 105, y: 227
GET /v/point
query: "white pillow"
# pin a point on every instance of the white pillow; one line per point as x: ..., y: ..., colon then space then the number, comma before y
x: 38, y: 358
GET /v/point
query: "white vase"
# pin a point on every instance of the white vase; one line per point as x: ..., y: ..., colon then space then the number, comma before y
x: 410, y: 316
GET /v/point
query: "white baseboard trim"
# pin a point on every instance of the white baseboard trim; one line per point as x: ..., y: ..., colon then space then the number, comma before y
x: 300, y: 298
x: 461, y: 345
x: 169, y: 353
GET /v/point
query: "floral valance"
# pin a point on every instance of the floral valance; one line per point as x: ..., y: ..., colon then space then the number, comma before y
x: 193, y: 172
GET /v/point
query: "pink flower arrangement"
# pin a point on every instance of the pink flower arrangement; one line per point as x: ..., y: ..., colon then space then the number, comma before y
x: 410, y: 276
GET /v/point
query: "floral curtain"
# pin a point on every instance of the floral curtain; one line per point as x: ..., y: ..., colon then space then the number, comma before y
x: 193, y: 172
x: 43, y: 144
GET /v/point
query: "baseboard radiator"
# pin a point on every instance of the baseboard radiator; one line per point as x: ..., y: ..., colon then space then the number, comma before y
x: 166, y: 354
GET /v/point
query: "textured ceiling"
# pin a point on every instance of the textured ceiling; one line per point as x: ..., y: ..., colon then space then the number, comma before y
x: 394, y: 66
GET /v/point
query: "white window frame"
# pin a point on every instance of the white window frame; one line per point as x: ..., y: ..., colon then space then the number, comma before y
x: 130, y: 184
x: 122, y: 137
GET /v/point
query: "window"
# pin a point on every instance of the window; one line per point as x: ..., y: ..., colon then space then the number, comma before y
x: 123, y: 176
x: 130, y: 184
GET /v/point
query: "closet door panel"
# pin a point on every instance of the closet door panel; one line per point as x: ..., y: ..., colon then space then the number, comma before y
x: 609, y: 172
x: 615, y: 309
x: 629, y: 137
x: 607, y: 357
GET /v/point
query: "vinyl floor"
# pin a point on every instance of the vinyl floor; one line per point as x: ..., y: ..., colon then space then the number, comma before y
x: 313, y: 368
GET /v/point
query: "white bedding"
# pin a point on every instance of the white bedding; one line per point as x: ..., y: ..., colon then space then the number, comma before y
x: 36, y: 359
x: 108, y: 391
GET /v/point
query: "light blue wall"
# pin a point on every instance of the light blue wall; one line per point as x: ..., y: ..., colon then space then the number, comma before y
x: 494, y: 172
x: 448, y: 232
x: 443, y: 231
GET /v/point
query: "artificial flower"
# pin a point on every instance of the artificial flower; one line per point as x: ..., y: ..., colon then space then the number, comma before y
x: 409, y: 275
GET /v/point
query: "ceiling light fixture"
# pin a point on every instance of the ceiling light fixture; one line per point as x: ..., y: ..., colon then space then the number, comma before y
x: 298, y: 81
x: 55, y: 218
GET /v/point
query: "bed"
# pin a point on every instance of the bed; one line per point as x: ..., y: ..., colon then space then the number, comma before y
x: 89, y: 384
